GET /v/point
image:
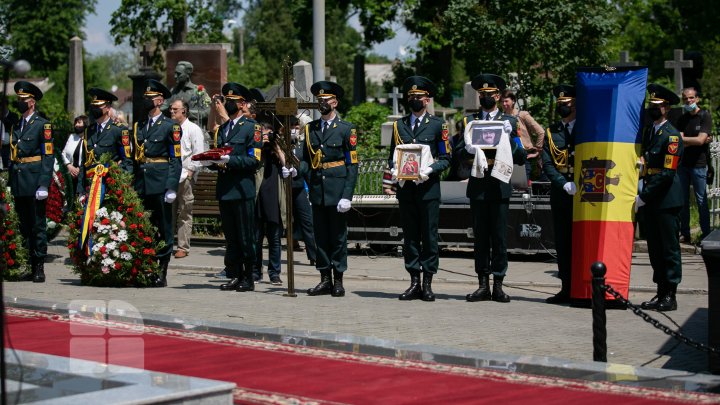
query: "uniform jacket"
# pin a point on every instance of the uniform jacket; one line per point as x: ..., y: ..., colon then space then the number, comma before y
x: 162, y: 140
x: 662, y: 153
x: 489, y: 188
x: 114, y: 139
x: 432, y: 132
x: 337, y: 144
x: 236, y: 181
x: 36, y: 139
x: 562, y: 142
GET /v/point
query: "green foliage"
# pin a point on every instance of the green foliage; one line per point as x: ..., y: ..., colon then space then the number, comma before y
x: 368, y: 118
x: 39, y: 31
x: 109, y: 69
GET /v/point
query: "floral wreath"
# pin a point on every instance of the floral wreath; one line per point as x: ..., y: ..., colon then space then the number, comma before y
x: 111, y: 239
x: 14, y: 258
x: 58, y: 202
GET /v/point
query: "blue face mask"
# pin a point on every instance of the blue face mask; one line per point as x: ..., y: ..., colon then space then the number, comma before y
x: 690, y: 107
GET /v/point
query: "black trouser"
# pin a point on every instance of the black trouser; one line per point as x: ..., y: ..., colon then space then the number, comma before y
x: 330, y: 237
x: 561, y: 204
x: 238, y: 224
x: 489, y: 228
x: 419, y: 219
x: 33, y: 225
x: 161, y: 217
x: 660, y: 228
x: 304, y: 221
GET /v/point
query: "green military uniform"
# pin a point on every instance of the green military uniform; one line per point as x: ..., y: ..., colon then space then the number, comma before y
x: 558, y: 157
x: 490, y: 198
x: 31, y: 153
x: 235, y: 190
x: 157, y: 170
x: 659, y: 217
x: 105, y: 137
x: 330, y: 165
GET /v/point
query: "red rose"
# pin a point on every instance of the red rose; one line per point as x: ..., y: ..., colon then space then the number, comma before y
x: 141, y: 226
x: 137, y: 262
x: 12, y: 246
x: 105, y: 221
x: 117, y: 266
x: 6, y: 255
x: 139, y: 214
x: 79, y: 222
x: 133, y: 226
x: 10, y: 232
x: 134, y: 271
x: 2, y: 195
x: 10, y: 262
x: 146, y: 251
x: 103, y: 250
x: 133, y: 244
x: 130, y: 209
x: 124, y: 248
x: 147, y: 239
x: 200, y: 88
x: 3, y: 237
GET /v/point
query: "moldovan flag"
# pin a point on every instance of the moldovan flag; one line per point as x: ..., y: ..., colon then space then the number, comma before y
x: 608, y: 137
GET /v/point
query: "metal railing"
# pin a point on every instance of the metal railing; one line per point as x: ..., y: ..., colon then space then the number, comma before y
x: 713, y: 190
x: 370, y: 176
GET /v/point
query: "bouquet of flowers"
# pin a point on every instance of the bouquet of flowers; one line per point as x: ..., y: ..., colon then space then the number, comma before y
x: 14, y: 259
x: 120, y: 244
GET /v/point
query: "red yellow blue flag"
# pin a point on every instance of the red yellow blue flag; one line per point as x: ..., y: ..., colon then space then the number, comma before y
x: 608, y: 134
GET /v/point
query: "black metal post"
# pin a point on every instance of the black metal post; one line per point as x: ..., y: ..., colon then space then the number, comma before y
x: 598, y: 312
x: 3, y: 326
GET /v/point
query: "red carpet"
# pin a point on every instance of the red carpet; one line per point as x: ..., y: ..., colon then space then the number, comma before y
x: 267, y: 372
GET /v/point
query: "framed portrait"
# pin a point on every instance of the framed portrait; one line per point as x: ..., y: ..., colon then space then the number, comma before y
x: 485, y: 134
x: 408, y: 160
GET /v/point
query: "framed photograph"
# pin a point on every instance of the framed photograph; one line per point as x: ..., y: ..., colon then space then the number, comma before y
x: 408, y: 160
x: 486, y: 134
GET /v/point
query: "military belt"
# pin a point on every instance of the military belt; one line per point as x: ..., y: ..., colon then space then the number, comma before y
x: 654, y: 171
x: 155, y: 160
x: 29, y: 159
x: 328, y: 165
x: 566, y: 170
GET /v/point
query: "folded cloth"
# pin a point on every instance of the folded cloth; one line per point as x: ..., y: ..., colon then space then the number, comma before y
x: 213, y: 154
x: 503, y: 165
x: 426, y: 160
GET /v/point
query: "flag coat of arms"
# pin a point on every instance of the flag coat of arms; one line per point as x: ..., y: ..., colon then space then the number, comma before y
x: 608, y: 136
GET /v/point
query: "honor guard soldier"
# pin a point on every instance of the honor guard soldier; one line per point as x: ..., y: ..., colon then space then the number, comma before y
x: 661, y: 198
x: 420, y: 199
x: 31, y: 153
x: 558, y: 158
x: 157, y: 174
x: 235, y: 189
x: 104, y: 136
x: 490, y: 197
x: 330, y: 165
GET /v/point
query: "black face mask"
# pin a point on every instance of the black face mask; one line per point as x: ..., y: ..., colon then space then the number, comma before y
x: 96, y: 112
x: 148, y: 105
x: 231, y: 107
x: 416, y: 105
x: 325, y: 108
x: 21, y: 106
x: 79, y: 130
x: 563, y: 110
x: 654, y: 113
x: 487, y: 102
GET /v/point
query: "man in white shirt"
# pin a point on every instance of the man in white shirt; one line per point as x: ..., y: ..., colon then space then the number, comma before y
x: 191, y: 143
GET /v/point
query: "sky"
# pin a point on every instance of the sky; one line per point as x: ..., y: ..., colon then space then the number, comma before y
x: 99, y: 41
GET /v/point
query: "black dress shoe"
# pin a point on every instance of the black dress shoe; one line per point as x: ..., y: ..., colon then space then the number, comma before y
x: 325, y: 287
x: 427, y: 292
x: 230, y: 286
x: 338, y: 290
x: 652, y: 304
x: 483, y: 292
x: 563, y: 297
x: 414, y: 292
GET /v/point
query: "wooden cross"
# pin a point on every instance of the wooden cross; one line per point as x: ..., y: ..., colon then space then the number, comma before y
x: 678, y: 64
x: 395, y: 96
x: 145, y: 55
x: 287, y: 107
x: 625, y: 60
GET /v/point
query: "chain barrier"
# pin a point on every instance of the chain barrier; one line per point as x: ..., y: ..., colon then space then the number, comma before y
x: 654, y: 322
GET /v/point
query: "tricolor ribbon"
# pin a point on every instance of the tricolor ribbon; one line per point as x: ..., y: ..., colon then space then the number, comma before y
x: 92, y: 204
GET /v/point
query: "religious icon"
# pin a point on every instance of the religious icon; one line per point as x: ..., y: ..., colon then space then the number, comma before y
x: 485, y: 134
x: 408, y: 160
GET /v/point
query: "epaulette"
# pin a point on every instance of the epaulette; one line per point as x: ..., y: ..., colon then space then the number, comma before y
x: 435, y: 118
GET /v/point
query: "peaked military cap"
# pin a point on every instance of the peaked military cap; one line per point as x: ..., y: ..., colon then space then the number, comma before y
x: 100, y: 96
x: 326, y: 89
x: 26, y: 89
x: 155, y: 88
x: 488, y: 82
x: 564, y: 92
x: 257, y: 95
x: 660, y: 94
x: 419, y: 85
x: 236, y: 91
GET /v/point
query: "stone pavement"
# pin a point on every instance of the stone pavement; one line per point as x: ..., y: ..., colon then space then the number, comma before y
x: 526, y: 326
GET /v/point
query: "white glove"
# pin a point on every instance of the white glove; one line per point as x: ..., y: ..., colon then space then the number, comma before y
x: 638, y: 203
x: 507, y: 127
x: 224, y: 159
x: 344, y: 205
x: 426, y: 171
x: 570, y: 188
x: 170, y: 196
x: 469, y: 148
x: 41, y: 193
x: 292, y: 172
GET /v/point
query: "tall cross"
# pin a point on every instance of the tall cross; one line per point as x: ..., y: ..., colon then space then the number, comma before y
x: 395, y: 96
x: 678, y: 64
x: 286, y: 107
x: 145, y: 55
x: 625, y: 60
